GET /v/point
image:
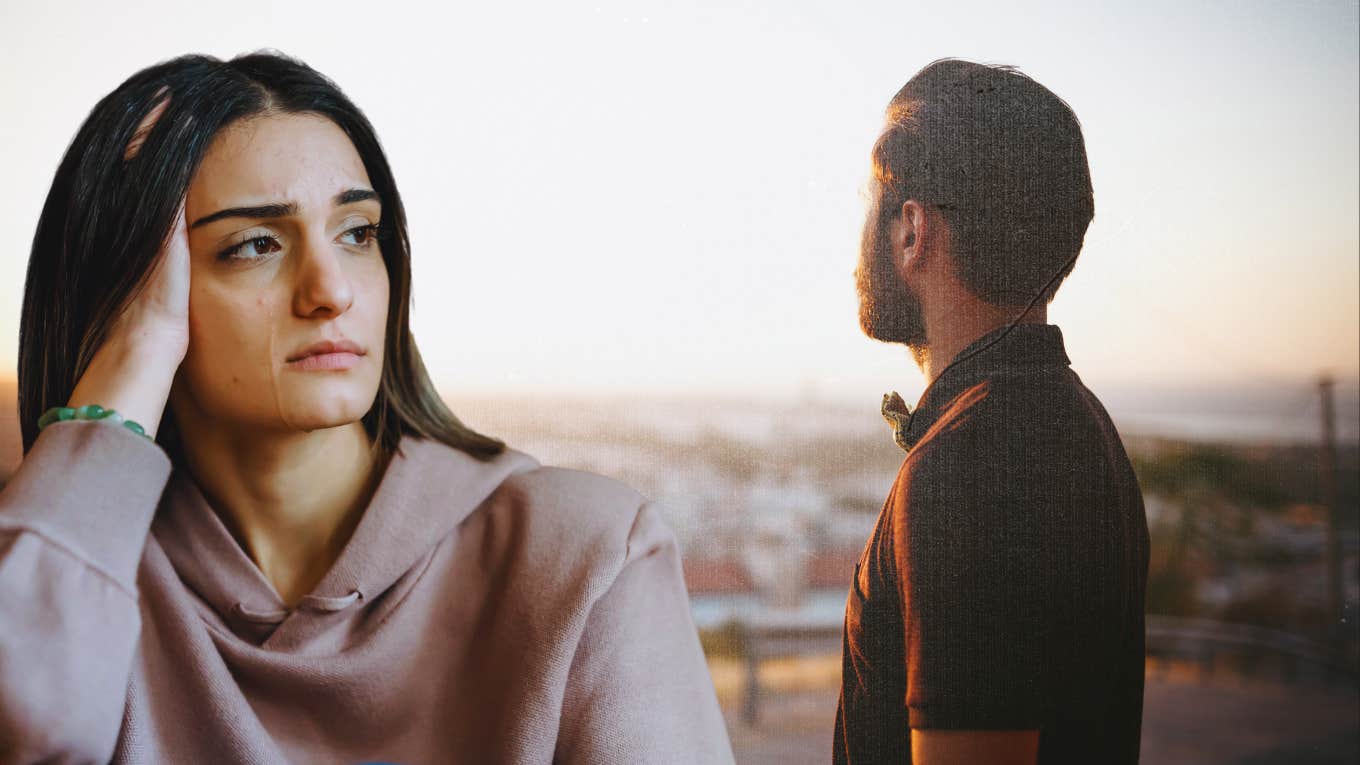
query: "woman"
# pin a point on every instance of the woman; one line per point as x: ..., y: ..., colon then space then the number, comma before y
x: 314, y: 561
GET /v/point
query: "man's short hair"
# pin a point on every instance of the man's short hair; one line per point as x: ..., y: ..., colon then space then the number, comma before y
x: 1003, y: 159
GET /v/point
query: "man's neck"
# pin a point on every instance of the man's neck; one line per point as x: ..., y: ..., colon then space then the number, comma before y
x: 946, y: 338
x: 291, y: 500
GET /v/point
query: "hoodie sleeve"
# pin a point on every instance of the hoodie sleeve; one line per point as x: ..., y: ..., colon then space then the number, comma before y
x: 74, y: 520
x: 639, y: 688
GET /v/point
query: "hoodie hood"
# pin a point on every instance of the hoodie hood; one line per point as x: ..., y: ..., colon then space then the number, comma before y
x: 427, y: 489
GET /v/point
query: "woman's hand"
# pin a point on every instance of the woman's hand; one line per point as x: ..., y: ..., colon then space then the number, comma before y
x: 135, y: 366
x: 158, y: 318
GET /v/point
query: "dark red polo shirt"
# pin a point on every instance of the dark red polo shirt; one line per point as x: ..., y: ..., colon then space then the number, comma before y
x: 1003, y: 585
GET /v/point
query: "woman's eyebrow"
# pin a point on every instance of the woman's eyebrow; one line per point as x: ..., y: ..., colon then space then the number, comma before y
x: 283, y: 209
x: 275, y: 210
x: 350, y: 196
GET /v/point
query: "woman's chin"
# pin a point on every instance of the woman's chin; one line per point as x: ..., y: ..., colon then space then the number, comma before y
x: 332, y: 410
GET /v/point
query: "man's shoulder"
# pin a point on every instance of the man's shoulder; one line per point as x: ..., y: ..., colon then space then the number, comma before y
x: 1014, y: 411
x: 1010, y: 428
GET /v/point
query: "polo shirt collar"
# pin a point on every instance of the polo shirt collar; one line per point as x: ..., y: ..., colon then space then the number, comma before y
x: 1029, y: 344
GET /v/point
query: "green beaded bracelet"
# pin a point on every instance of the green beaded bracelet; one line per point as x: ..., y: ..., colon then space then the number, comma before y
x: 88, y: 412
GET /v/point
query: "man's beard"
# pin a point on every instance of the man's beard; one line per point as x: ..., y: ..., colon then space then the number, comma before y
x: 888, y: 310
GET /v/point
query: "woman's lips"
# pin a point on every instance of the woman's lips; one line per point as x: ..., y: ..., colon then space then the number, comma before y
x: 326, y: 362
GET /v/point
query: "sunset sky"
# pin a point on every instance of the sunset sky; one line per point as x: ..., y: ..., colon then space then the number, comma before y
x: 665, y: 196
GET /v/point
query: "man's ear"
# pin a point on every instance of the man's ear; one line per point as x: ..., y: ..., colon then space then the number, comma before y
x: 910, y: 233
x: 912, y: 214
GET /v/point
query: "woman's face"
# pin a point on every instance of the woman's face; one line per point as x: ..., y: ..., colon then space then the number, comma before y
x: 284, y: 254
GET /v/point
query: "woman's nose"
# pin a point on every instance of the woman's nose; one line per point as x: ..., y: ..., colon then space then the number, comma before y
x: 323, y: 286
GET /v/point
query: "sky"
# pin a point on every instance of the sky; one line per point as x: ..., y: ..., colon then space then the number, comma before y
x: 665, y: 197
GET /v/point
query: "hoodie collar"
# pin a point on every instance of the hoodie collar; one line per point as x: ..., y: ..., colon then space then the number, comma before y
x: 426, y: 490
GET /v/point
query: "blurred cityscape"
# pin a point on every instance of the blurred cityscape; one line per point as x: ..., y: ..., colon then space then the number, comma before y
x: 772, y: 502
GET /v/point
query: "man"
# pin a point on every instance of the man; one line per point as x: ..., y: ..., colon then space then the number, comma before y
x: 996, y: 614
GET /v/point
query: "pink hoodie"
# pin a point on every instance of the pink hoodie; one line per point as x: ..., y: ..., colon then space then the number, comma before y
x: 483, y: 612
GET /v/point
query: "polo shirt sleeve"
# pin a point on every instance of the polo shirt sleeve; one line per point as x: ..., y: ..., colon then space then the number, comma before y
x: 974, y: 585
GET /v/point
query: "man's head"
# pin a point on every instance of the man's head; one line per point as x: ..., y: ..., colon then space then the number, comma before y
x: 985, y: 167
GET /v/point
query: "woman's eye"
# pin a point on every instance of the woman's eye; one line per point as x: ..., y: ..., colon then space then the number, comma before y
x: 361, y: 236
x: 255, y: 247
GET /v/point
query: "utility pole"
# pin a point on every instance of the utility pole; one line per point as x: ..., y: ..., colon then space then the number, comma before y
x: 1327, y: 473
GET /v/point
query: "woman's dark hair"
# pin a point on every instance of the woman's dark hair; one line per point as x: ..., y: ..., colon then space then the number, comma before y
x: 1003, y: 159
x: 110, y: 209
